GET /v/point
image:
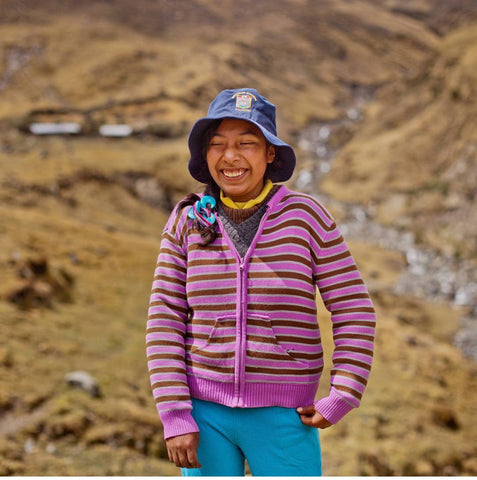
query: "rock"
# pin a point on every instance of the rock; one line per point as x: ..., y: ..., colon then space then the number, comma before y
x: 40, y: 285
x: 32, y: 294
x: 445, y: 417
x: 423, y: 468
x: 470, y: 466
x: 83, y: 381
x: 29, y: 445
x: 6, y: 357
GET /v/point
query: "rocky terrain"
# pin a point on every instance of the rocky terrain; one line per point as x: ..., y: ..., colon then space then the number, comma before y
x: 379, y: 100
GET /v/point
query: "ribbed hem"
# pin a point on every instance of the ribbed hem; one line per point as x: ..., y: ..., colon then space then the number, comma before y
x: 253, y: 394
x: 333, y: 407
x: 177, y: 422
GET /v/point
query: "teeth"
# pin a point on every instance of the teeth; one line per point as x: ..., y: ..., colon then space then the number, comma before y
x: 234, y: 173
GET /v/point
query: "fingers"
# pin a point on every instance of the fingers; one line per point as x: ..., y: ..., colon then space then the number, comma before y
x: 309, y: 410
x: 309, y: 416
x: 306, y: 414
x: 192, y: 458
x: 182, y: 450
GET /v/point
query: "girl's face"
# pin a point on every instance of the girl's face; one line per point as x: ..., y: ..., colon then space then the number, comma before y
x: 237, y: 157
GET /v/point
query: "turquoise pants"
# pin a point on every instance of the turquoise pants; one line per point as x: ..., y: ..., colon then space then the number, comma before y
x: 272, y: 439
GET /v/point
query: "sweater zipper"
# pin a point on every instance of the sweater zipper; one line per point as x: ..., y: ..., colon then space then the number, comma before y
x: 241, y: 333
x: 242, y: 329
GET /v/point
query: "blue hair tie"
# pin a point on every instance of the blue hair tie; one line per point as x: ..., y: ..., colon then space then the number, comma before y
x: 202, y: 211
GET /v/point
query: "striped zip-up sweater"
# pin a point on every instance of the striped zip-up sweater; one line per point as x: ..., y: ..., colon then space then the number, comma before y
x: 243, y: 332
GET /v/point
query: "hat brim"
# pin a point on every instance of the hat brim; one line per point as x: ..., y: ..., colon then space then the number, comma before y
x: 280, y: 170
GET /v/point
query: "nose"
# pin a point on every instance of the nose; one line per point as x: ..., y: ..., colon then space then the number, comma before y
x: 231, y: 154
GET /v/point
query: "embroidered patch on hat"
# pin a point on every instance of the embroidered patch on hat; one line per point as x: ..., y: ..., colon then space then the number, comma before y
x: 243, y: 101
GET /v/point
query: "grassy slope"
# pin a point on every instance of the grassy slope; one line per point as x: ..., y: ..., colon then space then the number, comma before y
x: 107, y: 238
x: 416, y: 154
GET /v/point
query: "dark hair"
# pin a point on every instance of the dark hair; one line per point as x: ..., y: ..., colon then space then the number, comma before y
x: 209, y: 233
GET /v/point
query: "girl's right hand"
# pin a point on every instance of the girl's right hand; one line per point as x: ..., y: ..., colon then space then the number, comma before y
x: 182, y: 450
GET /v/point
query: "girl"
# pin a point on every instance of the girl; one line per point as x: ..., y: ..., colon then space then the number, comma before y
x: 233, y: 343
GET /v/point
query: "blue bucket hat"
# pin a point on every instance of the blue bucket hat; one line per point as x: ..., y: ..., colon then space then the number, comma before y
x: 244, y: 104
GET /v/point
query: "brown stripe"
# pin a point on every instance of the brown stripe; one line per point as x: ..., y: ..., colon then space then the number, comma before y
x: 164, y: 264
x: 284, y: 292
x: 284, y: 356
x: 215, y: 276
x: 223, y: 247
x: 166, y: 383
x: 169, y: 293
x: 164, y: 330
x: 347, y: 298
x: 296, y: 324
x: 353, y: 376
x: 224, y: 339
x: 355, y: 323
x: 282, y: 258
x: 176, y: 307
x: 172, y: 330
x: 279, y: 243
x: 202, y: 322
x: 355, y: 393
x: 212, y: 261
x: 349, y: 361
x: 283, y: 371
x: 165, y: 356
x: 183, y: 233
x: 268, y: 355
x: 345, y: 311
x: 334, y: 258
x: 333, y: 242
x: 303, y: 206
x: 295, y: 223
x: 161, y: 370
x: 172, y: 253
x: 216, y: 292
x: 215, y: 308
x: 280, y: 274
x: 163, y: 343
x: 165, y: 316
x: 198, y: 336
x: 341, y: 285
x: 176, y: 221
x: 220, y: 368
x: 335, y: 273
x: 354, y: 336
x: 172, y: 398
x: 347, y: 348
x: 170, y: 238
x: 284, y: 307
x: 207, y: 354
x: 298, y: 340
x: 168, y: 279
x: 307, y: 356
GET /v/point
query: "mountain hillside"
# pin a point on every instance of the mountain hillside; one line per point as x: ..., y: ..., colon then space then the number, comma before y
x: 379, y: 100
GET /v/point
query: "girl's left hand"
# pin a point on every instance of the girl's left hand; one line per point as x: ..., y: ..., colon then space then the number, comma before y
x: 309, y: 416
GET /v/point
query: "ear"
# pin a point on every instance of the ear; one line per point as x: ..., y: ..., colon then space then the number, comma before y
x: 271, y: 153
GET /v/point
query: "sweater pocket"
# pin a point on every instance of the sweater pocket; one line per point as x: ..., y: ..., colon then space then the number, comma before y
x: 269, y: 360
x: 212, y: 353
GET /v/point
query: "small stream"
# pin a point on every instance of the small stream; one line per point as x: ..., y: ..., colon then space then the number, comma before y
x: 429, y: 274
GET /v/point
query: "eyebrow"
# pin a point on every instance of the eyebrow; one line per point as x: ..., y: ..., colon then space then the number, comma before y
x: 246, y: 132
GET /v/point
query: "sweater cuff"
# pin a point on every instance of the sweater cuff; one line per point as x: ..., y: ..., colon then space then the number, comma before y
x: 177, y: 422
x: 333, y: 407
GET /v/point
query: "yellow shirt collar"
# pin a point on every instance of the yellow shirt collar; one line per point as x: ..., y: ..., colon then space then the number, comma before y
x: 250, y: 203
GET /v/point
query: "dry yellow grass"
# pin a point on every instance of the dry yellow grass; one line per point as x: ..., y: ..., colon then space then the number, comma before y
x: 67, y: 200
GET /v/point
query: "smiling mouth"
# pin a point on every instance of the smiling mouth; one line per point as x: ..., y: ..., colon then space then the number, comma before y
x: 234, y: 173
